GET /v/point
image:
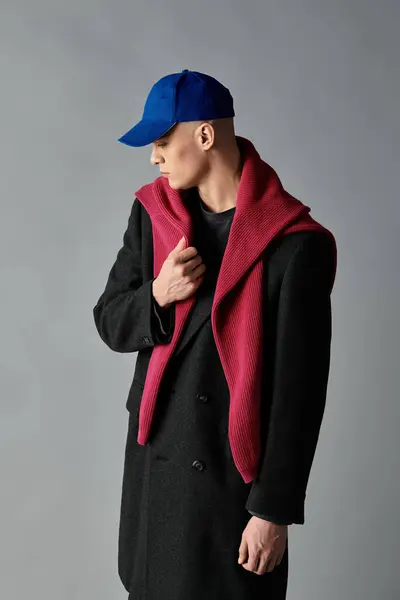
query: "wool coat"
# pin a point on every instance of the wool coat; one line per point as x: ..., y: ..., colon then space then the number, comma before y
x: 184, y: 505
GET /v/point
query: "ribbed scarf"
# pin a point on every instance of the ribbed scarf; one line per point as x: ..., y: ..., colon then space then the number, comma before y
x: 264, y: 210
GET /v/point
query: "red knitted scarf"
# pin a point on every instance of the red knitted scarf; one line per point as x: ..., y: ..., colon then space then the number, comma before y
x: 263, y: 210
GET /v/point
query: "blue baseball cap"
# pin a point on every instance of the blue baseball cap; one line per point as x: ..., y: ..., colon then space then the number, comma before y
x: 184, y: 96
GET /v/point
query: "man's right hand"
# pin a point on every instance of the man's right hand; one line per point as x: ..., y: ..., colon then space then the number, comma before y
x: 180, y: 276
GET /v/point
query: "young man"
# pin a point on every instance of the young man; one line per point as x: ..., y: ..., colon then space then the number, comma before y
x: 223, y: 288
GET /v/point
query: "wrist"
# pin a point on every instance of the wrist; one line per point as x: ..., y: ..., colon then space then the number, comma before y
x: 160, y: 299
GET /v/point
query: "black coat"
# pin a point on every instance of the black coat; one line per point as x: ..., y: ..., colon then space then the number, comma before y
x: 184, y: 505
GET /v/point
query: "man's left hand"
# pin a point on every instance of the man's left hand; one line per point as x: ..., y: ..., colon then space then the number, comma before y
x: 263, y: 545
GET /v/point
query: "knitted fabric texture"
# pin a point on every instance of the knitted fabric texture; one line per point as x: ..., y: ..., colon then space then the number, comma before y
x: 264, y: 210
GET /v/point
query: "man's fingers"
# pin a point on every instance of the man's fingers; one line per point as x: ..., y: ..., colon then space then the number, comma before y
x: 271, y: 564
x: 264, y: 564
x: 261, y: 563
x: 253, y: 560
x: 243, y: 551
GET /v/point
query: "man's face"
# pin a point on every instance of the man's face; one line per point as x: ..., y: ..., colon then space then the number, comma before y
x: 179, y: 154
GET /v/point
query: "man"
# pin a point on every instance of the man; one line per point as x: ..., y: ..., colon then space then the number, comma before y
x: 223, y: 288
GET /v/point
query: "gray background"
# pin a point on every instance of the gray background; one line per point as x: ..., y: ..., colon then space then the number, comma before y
x: 316, y: 88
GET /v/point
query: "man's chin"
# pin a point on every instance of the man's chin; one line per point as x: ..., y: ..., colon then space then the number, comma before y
x: 174, y: 184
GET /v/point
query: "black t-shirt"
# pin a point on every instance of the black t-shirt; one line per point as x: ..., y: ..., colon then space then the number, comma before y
x: 211, y: 232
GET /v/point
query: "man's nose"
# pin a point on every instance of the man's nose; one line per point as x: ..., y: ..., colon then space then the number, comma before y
x: 154, y: 158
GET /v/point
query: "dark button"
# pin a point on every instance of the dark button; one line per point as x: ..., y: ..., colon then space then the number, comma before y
x: 145, y: 339
x: 198, y: 465
x: 202, y: 397
x: 160, y: 457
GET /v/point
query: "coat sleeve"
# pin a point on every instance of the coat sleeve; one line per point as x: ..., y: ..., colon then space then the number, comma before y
x: 300, y: 377
x: 164, y: 320
x: 125, y: 314
x: 272, y: 519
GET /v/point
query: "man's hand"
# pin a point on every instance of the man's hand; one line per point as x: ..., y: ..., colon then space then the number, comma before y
x: 181, y: 274
x: 263, y: 545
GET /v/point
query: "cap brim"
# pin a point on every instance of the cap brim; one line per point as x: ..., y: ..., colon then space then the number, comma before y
x: 145, y: 132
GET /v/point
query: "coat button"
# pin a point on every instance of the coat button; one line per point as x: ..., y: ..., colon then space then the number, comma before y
x: 198, y: 465
x: 202, y: 397
x: 145, y: 339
